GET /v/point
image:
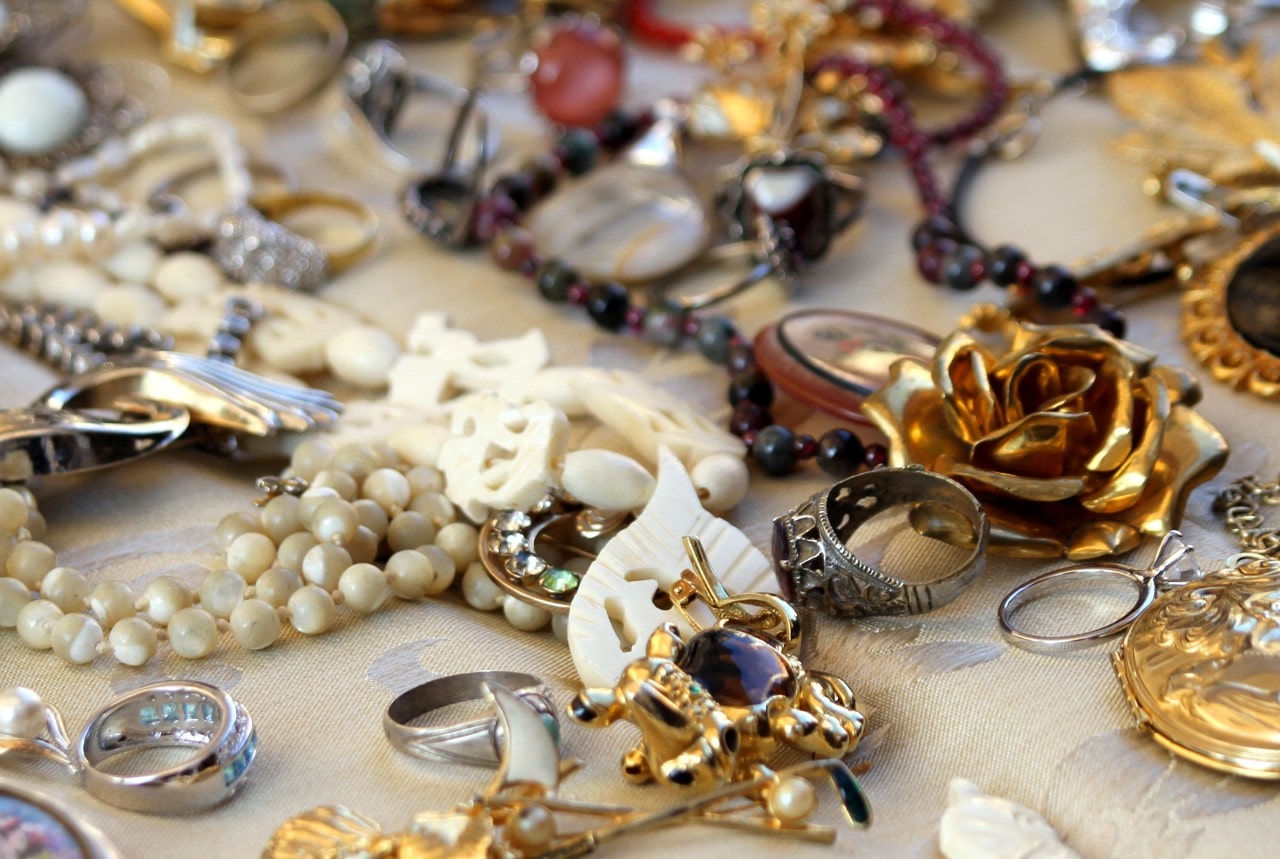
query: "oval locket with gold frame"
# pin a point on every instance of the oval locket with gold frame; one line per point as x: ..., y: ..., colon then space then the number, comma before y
x: 1201, y: 669
x: 1231, y: 315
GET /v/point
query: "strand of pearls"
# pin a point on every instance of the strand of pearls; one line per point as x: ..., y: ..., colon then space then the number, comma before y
x: 367, y: 498
x: 101, y: 222
x: 368, y: 527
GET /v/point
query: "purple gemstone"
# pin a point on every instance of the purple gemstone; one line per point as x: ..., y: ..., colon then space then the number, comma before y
x: 737, y: 668
x: 797, y: 197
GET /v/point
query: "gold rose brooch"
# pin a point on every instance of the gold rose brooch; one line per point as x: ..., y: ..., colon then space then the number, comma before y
x: 1075, y: 442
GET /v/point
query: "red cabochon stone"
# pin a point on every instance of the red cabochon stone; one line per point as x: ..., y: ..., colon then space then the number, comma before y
x: 578, y: 81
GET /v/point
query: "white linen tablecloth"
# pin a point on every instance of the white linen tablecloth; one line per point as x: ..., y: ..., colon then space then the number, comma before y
x: 944, y: 694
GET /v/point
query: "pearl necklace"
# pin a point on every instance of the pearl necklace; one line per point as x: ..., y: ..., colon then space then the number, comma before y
x: 101, y: 221
x: 314, y: 548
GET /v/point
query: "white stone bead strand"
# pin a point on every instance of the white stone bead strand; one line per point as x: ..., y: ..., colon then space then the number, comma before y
x: 404, y: 506
x: 54, y: 608
x: 297, y: 561
x: 202, y: 129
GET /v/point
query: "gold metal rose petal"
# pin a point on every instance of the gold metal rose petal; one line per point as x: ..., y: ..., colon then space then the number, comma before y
x: 910, y: 411
x: 1193, y: 452
x: 1037, y: 446
x: 1076, y: 443
x: 1128, y: 481
x: 961, y: 370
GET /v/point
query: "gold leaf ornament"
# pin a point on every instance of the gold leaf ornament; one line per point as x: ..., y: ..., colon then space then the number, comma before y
x: 1206, y: 116
x: 1076, y: 443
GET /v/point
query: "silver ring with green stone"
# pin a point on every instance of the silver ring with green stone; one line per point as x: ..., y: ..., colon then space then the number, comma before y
x: 476, y: 741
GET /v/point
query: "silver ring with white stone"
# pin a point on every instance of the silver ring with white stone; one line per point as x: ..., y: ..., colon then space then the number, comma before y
x: 1173, y: 566
x: 196, y: 716
x: 1056, y: 581
x: 49, y: 114
x: 475, y: 741
x: 817, y: 570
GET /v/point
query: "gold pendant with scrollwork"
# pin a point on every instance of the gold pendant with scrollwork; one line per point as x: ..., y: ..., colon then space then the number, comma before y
x: 1201, y: 669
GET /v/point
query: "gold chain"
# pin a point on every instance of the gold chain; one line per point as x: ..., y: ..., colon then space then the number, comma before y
x: 1241, y: 503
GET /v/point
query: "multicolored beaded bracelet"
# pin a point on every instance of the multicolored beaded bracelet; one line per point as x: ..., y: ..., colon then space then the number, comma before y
x: 775, y: 448
x: 1053, y: 288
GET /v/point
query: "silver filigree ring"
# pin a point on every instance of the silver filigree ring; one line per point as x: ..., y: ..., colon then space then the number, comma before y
x: 817, y: 570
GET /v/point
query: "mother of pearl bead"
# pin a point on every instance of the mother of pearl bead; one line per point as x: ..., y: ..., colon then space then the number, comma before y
x: 35, y: 623
x: 255, y: 624
x: 193, y: 633
x: 13, y: 596
x: 364, y: 587
x: 76, y: 638
x: 312, y: 610
x: 133, y: 641
x: 40, y: 110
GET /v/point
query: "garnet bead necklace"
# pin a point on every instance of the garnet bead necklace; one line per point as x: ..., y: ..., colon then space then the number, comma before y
x: 777, y: 449
x: 944, y: 252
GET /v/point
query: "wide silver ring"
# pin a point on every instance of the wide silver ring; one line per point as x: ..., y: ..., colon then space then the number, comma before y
x: 476, y: 741
x: 210, y: 723
x: 1056, y: 581
x: 816, y: 569
x: 377, y: 83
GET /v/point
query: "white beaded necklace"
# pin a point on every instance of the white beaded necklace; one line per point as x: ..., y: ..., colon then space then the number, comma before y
x: 300, y: 560
x: 102, y: 222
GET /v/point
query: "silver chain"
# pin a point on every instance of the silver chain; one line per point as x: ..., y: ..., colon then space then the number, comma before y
x: 1241, y: 505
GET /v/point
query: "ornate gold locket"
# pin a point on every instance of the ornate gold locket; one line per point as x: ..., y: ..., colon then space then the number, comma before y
x: 1231, y: 317
x: 1201, y: 669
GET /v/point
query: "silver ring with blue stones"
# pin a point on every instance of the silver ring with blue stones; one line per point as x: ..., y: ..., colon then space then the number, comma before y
x: 213, y: 729
x: 196, y: 716
x: 479, y: 741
